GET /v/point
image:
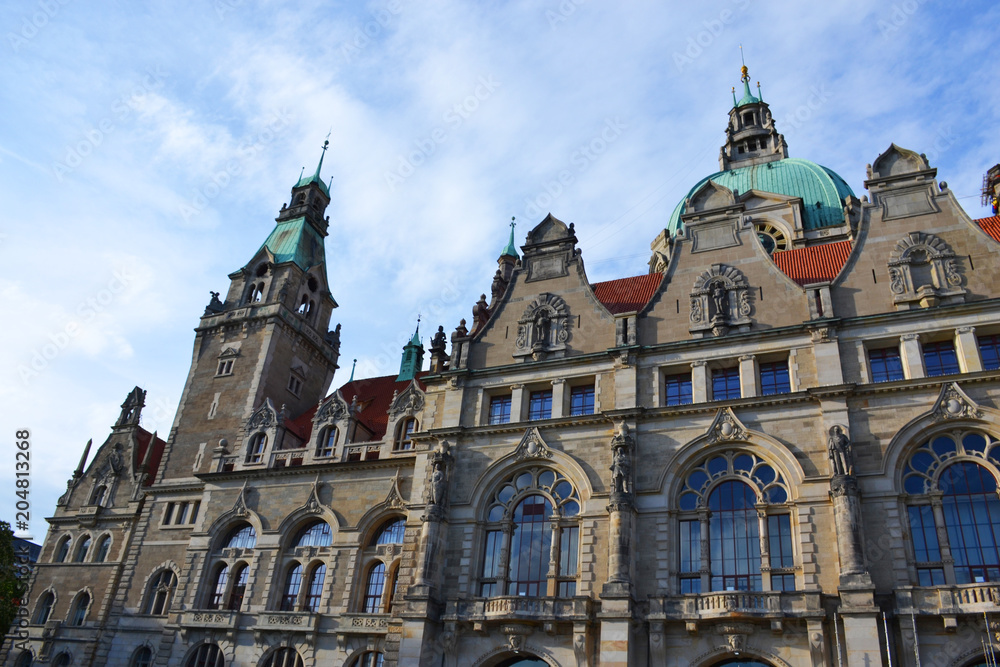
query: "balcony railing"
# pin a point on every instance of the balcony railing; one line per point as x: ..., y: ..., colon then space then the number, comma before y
x: 950, y: 600
x: 363, y: 623
x: 289, y: 621
x: 510, y: 608
x: 735, y: 604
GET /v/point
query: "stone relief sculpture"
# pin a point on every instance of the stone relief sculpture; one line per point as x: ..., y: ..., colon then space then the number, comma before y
x: 924, y: 272
x: 839, y: 449
x: 720, y: 302
x: 543, y: 329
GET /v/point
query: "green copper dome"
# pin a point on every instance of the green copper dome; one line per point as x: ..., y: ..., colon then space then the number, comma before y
x: 791, y: 177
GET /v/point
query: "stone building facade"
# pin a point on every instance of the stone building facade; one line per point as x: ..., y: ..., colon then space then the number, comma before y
x: 779, y: 446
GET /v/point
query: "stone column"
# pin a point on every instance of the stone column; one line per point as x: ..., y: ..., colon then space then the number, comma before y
x: 967, y: 350
x: 911, y: 356
x: 517, y: 412
x: 554, y: 553
x: 748, y: 376
x: 765, y: 547
x: 559, y: 398
x: 705, y: 517
x: 944, y: 544
x: 699, y: 381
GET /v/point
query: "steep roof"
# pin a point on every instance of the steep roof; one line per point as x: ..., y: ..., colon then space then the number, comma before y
x: 813, y: 264
x: 302, y: 425
x: 143, y: 437
x: 625, y: 295
x: 295, y: 240
x: 375, y: 397
x: 991, y: 226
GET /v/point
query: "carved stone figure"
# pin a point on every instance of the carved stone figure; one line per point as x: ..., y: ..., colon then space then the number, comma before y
x: 839, y: 449
x: 621, y: 471
x: 543, y: 326
x: 719, y: 300
x: 116, y: 460
x: 439, y: 341
x: 439, y: 485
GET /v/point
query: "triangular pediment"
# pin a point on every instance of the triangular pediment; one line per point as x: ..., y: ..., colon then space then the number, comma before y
x: 532, y: 446
x: 953, y: 403
x: 550, y: 230
x: 726, y: 427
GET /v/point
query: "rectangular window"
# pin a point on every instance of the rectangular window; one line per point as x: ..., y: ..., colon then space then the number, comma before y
x: 500, y: 409
x: 885, y: 364
x: 168, y: 514
x: 581, y: 401
x: 940, y: 358
x: 779, y: 535
x: 989, y: 350
x: 294, y: 385
x: 225, y: 367
x: 194, y: 511
x: 725, y: 384
x: 568, y: 555
x: 691, y: 546
x: 924, y: 534
x: 930, y: 576
x: 690, y: 585
x: 540, y: 404
x: 782, y: 582
x: 774, y: 378
x: 491, y: 563
x: 182, y: 510
x: 678, y: 389
x: 567, y: 589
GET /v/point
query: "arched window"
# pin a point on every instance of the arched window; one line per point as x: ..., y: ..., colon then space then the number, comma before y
x: 219, y: 589
x: 314, y: 589
x: 241, y: 573
x: 103, y: 546
x: 62, y: 551
x: 206, y: 655
x: 306, y: 306
x: 82, y: 549
x: 98, y: 496
x: 255, y: 448
x: 951, y: 479
x: 25, y: 659
x: 161, y: 589
x: 374, y: 588
x: 738, y: 502
x: 404, y: 440
x: 327, y: 442
x: 530, y: 519
x: 316, y: 534
x: 256, y: 293
x: 242, y: 537
x: 143, y: 657
x: 283, y: 657
x: 369, y: 659
x: 44, y: 608
x: 63, y: 660
x: 391, y: 532
x: 293, y: 582
x: 79, y: 613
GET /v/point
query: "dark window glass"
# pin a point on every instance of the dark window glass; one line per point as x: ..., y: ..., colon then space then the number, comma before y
x: 782, y: 582
x: 160, y: 590
x: 735, y: 539
x: 327, y: 442
x: 886, y: 364
x: 80, y: 610
x: 81, y: 551
x: 500, y: 410
x: 568, y: 556
x: 690, y: 545
x: 406, y: 434
x: 391, y: 533
x: 779, y: 529
x: 219, y: 591
x: 240, y: 576
x: 540, y: 405
x: 283, y: 657
x: 370, y: 659
x: 690, y: 585
x: 924, y: 534
x: 774, y: 378
x: 678, y: 389
x: 374, y: 588
x: 725, y: 384
x: 930, y: 576
x: 315, y: 590
x: 581, y: 401
x: 972, y: 516
x: 293, y: 582
x: 989, y: 350
x: 491, y: 562
x: 255, y: 450
x: 206, y: 655
x: 142, y: 658
x: 567, y: 589
x: 44, y: 608
x: 530, y: 546
x: 940, y: 358
x: 62, y: 551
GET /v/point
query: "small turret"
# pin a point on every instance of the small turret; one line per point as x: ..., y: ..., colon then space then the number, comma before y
x: 751, y: 137
x: 413, y: 357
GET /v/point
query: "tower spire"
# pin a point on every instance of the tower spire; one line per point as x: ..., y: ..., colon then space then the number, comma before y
x: 510, y: 250
x: 748, y: 97
x: 316, y: 177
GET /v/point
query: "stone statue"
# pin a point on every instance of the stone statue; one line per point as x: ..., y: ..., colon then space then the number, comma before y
x: 543, y: 325
x: 439, y: 341
x: 719, y: 299
x: 621, y: 470
x: 116, y: 460
x: 439, y: 485
x: 838, y: 447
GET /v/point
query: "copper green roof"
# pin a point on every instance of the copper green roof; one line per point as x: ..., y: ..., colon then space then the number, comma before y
x: 296, y: 241
x: 315, y: 178
x: 510, y: 250
x: 791, y: 177
x: 747, y: 97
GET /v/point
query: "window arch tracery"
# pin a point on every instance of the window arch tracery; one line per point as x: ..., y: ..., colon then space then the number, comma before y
x: 531, y: 523
x: 734, y: 527
x: 160, y: 591
x: 226, y: 588
x: 43, y: 609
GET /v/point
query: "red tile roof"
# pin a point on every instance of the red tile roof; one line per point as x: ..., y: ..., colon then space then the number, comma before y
x: 627, y: 294
x: 143, y: 437
x: 991, y: 226
x: 813, y: 264
x: 302, y: 425
x: 374, y: 398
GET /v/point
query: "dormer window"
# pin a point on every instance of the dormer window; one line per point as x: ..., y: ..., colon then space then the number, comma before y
x: 255, y: 450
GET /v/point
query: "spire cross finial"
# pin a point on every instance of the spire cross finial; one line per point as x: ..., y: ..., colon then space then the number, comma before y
x: 513, y: 224
x: 353, y: 366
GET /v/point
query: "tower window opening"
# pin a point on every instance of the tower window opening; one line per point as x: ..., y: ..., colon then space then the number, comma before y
x: 750, y: 118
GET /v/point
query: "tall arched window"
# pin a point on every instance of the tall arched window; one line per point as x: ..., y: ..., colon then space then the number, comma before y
x: 98, y: 496
x: 82, y: 549
x: 206, y: 655
x: 734, y: 514
x: 950, y: 479
x: 103, y: 546
x: 62, y: 551
x: 391, y: 532
x: 314, y: 588
x: 44, y: 608
x: 80, y: 608
x: 241, y: 573
x: 161, y: 589
x: 143, y: 657
x: 242, y: 537
x: 255, y: 448
x: 221, y: 583
x: 293, y: 582
x: 532, y: 523
x: 404, y: 439
x: 374, y: 588
x: 283, y: 657
x: 327, y: 442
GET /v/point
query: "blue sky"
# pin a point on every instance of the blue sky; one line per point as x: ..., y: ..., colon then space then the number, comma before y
x: 146, y: 150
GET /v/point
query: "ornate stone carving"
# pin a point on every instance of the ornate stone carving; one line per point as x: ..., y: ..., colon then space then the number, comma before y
x: 132, y: 408
x: 838, y: 448
x: 953, y: 403
x: 720, y: 301
x: 410, y: 401
x: 543, y: 328
x: 924, y: 272
x: 621, y: 466
x: 332, y: 411
x: 726, y: 427
x: 394, y: 499
x: 532, y: 446
x: 240, y: 507
x: 263, y: 417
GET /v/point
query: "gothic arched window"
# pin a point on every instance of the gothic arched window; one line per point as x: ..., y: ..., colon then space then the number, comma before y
x: 143, y: 657
x: 734, y: 516
x: 62, y: 551
x: 98, y: 496
x: 82, y: 549
x: 327, y: 442
x: 293, y: 582
x: 161, y: 589
x: 25, y: 659
x: 103, y: 547
x: 391, y: 532
x: 404, y: 435
x: 374, y: 588
x: 220, y: 584
x: 206, y: 655
x: 531, y: 522
x: 80, y: 608
x: 63, y: 660
x: 44, y: 608
x: 241, y: 573
x: 316, y: 534
x: 242, y: 537
x: 255, y: 448
x: 951, y: 482
x: 283, y: 657
x: 379, y: 564
x: 314, y: 588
